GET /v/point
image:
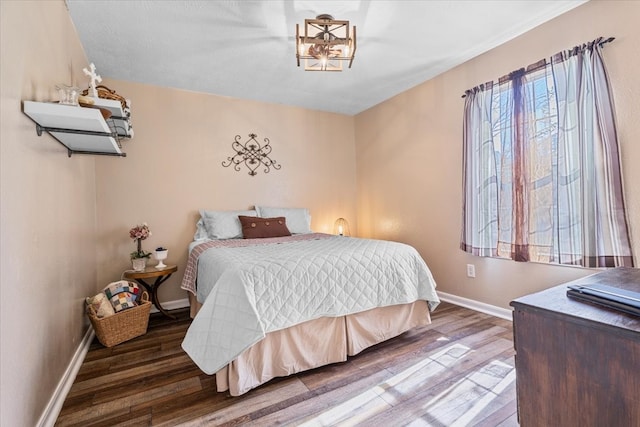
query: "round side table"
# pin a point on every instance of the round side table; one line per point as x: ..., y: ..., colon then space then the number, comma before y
x: 161, y: 275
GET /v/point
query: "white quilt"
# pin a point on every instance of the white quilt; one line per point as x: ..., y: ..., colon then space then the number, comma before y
x: 268, y: 287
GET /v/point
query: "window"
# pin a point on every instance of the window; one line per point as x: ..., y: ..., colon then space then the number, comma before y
x: 542, y: 178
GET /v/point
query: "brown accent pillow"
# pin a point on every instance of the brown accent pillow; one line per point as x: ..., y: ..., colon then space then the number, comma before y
x: 254, y: 227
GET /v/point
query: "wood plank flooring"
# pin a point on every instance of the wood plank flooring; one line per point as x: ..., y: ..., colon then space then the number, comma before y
x: 458, y: 371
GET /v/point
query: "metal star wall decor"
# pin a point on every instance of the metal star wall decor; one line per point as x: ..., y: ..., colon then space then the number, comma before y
x: 252, y: 154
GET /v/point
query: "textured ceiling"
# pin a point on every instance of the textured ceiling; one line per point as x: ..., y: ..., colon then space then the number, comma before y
x: 246, y: 49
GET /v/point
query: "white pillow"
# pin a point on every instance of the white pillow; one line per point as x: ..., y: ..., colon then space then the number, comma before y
x: 201, y: 231
x: 298, y: 219
x: 224, y: 224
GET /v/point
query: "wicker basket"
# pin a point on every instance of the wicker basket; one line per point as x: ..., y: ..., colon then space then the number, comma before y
x: 106, y: 93
x: 122, y: 326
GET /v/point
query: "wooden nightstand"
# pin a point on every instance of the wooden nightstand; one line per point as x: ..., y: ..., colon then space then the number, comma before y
x: 161, y: 275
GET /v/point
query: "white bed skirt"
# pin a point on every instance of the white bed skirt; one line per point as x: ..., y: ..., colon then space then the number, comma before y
x: 315, y: 343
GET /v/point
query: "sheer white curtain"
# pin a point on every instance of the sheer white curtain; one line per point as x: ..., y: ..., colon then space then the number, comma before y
x: 480, y: 175
x: 542, y: 179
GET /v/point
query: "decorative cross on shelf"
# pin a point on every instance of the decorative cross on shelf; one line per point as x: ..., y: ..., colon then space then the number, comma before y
x: 252, y: 154
x: 94, y: 78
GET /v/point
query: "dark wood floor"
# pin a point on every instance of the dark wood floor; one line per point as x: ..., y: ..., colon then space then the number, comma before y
x: 458, y: 371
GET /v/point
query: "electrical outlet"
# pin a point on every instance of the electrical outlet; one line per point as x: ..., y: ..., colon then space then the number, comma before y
x: 471, y: 270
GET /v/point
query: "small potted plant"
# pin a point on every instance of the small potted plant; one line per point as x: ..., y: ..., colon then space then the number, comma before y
x: 139, y: 256
x: 161, y: 254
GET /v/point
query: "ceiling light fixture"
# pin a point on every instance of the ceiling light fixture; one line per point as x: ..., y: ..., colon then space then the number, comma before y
x: 325, y: 44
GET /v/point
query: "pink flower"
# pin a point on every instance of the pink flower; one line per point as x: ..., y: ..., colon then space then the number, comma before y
x: 140, y: 232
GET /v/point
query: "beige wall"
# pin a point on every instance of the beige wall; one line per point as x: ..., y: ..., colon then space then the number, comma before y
x: 174, y: 168
x: 409, y: 153
x: 47, y: 220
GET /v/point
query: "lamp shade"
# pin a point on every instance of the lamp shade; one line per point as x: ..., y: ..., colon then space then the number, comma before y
x: 341, y: 227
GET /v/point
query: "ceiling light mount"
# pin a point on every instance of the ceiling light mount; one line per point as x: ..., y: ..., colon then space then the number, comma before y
x: 325, y: 43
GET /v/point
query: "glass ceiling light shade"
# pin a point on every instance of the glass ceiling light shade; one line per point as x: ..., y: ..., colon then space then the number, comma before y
x: 325, y: 44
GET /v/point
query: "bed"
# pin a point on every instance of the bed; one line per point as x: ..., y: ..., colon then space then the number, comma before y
x: 272, y: 306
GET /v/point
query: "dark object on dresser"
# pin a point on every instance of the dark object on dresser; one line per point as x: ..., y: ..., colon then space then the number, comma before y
x: 577, y: 363
x: 608, y: 296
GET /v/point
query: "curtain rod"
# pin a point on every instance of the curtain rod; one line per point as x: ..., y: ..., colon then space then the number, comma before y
x: 610, y: 39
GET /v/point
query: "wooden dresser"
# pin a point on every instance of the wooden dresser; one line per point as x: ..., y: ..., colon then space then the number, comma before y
x: 577, y: 364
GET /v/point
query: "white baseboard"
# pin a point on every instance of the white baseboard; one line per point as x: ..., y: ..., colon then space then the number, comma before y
x: 51, y: 412
x: 172, y: 305
x: 476, y: 305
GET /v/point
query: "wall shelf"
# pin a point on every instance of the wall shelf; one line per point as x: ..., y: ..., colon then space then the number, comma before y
x: 81, y: 130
